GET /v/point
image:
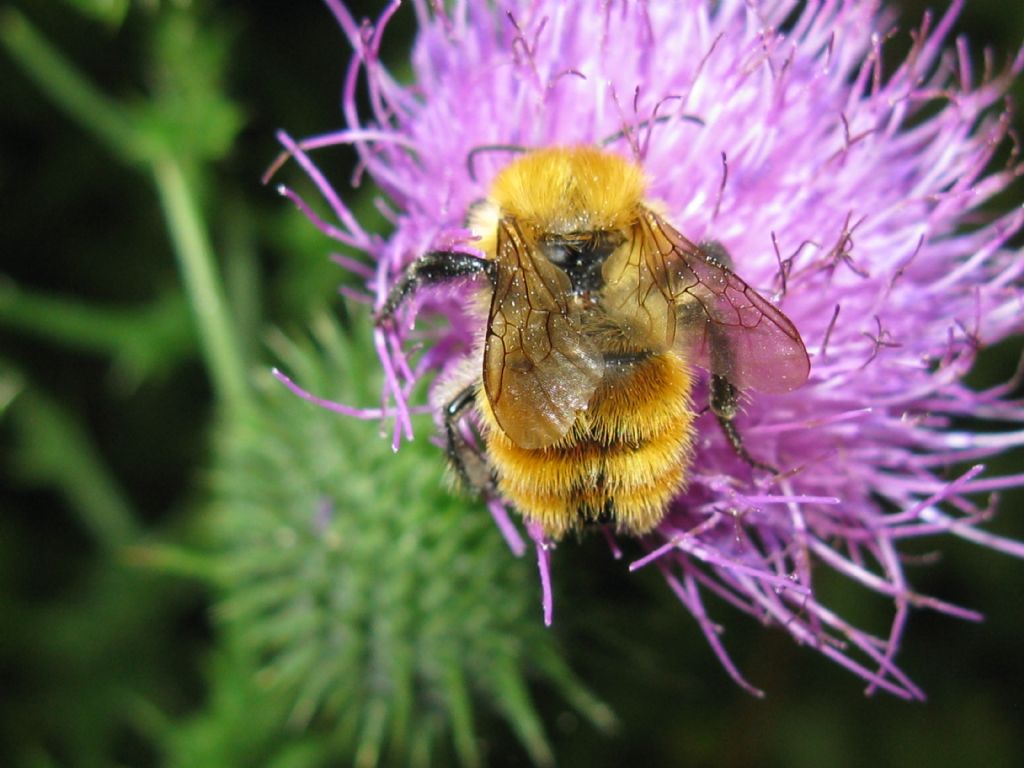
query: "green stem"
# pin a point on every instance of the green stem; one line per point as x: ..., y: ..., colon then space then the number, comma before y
x: 59, y: 79
x: 178, y: 561
x: 55, y: 449
x: 202, y: 283
x: 125, y: 334
x: 114, y: 125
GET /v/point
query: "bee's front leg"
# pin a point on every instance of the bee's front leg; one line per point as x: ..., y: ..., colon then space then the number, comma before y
x: 430, y: 269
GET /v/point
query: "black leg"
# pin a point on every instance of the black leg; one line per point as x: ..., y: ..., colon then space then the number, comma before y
x: 725, y: 404
x: 431, y: 268
x: 725, y: 398
x: 469, y: 463
x: 716, y: 253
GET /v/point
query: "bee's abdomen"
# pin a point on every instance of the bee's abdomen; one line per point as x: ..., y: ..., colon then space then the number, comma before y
x: 622, y: 462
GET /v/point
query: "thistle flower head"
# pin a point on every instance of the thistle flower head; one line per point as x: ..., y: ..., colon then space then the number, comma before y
x: 847, y: 190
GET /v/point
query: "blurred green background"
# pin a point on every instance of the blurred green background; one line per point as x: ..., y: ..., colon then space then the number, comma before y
x: 132, y: 140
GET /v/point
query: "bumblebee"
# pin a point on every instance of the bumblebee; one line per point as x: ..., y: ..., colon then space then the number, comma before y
x: 597, y: 313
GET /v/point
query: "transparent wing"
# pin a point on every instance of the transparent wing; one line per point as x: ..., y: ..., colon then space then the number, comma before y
x: 539, y: 370
x: 685, y: 299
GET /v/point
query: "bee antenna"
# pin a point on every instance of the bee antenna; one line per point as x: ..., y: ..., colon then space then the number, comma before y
x: 471, y: 157
x: 619, y: 135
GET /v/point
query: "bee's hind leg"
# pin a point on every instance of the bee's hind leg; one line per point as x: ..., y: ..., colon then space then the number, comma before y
x: 725, y: 397
x: 467, y: 460
x: 725, y: 405
x: 716, y: 253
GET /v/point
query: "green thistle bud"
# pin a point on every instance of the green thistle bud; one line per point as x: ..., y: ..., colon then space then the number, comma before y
x: 383, y: 612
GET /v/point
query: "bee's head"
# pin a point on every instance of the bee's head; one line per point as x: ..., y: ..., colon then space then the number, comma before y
x: 564, y: 191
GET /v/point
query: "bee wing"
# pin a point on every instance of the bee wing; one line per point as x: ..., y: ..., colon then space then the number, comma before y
x: 690, y: 301
x: 539, y: 369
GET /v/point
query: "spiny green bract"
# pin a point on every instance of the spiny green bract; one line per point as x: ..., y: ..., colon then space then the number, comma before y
x: 373, y: 608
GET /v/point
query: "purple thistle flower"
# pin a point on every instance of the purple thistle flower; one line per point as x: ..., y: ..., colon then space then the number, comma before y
x: 848, y: 194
